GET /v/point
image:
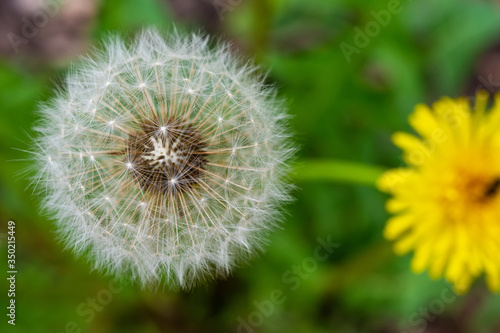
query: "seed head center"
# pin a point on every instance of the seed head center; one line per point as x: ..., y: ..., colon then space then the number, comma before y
x: 164, y: 154
x: 166, y: 162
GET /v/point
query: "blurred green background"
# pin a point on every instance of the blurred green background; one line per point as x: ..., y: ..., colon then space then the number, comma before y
x: 343, y: 109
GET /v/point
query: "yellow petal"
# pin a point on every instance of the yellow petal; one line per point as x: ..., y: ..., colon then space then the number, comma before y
x: 391, y: 179
x: 492, y: 276
x: 423, y: 120
x: 405, y: 244
x: 421, y: 258
x: 397, y: 225
x: 395, y: 206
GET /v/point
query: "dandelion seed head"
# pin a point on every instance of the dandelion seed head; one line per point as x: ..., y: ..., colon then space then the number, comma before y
x: 147, y: 184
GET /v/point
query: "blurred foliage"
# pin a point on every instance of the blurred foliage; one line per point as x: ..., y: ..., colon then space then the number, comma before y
x: 341, y: 111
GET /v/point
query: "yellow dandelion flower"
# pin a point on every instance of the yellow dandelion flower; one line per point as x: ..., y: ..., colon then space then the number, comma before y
x: 446, y: 201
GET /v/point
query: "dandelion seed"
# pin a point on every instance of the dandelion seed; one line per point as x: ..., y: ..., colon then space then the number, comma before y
x: 164, y: 195
x: 447, y: 201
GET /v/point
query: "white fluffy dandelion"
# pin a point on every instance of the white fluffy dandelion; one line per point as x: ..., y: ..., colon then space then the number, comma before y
x: 163, y: 159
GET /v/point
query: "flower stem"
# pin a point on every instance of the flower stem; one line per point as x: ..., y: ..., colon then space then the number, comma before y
x: 338, y: 171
